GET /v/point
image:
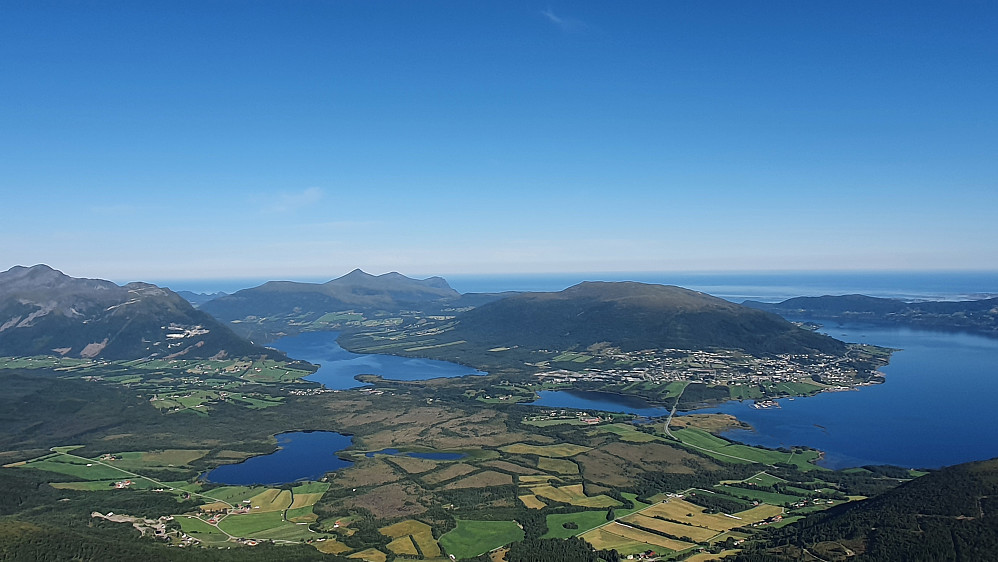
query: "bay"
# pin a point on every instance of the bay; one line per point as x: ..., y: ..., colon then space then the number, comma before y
x: 598, y: 401
x: 936, y: 407
x: 338, y: 367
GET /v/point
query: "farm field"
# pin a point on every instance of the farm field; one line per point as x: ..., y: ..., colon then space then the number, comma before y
x: 418, y: 534
x: 627, y: 432
x: 670, y: 527
x: 573, y: 494
x: 760, y: 495
x: 628, y: 540
x: 471, y: 538
x: 733, y: 452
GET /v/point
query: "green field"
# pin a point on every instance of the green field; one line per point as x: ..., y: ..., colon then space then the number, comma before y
x: 763, y: 479
x: 471, y: 538
x: 745, y: 391
x: 628, y: 432
x: 733, y: 452
x: 585, y: 520
x: 83, y: 469
x: 202, y: 531
x: 763, y: 496
x: 232, y: 494
x: 794, y: 388
x: 570, y: 357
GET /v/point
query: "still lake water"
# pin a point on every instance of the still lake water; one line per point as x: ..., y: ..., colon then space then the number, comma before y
x: 598, y: 401
x: 301, y: 455
x: 338, y: 367
x: 937, y: 407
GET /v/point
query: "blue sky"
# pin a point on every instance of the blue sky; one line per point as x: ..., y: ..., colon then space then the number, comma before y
x: 301, y: 139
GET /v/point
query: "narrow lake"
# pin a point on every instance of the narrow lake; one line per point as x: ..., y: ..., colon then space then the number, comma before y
x: 338, y: 367
x: 301, y: 455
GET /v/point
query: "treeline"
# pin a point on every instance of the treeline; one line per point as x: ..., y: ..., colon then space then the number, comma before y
x: 557, y: 550
x: 946, y: 515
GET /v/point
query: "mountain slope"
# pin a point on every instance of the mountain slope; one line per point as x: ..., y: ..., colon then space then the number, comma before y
x: 635, y: 316
x: 45, y: 312
x: 951, y: 514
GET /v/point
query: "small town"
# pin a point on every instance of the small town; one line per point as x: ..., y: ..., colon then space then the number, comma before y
x: 725, y: 368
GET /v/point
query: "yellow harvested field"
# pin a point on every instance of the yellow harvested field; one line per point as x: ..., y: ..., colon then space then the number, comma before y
x: 679, y: 510
x: 556, y: 451
x: 532, y: 501
x: 561, y: 466
x: 644, y: 536
x: 271, y: 499
x: 573, y: 494
x: 671, y: 528
x: 403, y: 528
x: 370, y: 555
x: 758, y: 513
x: 535, y: 480
x: 330, y: 546
x: 426, y: 543
x: 605, y: 540
x: 403, y: 545
x: 214, y: 506
x: 305, y: 500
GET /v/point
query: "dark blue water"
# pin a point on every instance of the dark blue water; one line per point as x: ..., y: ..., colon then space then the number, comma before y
x: 301, y: 455
x: 338, y: 367
x: 937, y: 407
x: 430, y: 456
x: 598, y: 401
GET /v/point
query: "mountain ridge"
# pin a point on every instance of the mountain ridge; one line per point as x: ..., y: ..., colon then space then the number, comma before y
x: 635, y: 316
x: 44, y: 311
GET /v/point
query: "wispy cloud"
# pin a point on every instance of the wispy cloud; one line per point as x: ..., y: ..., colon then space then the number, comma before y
x: 285, y: 202
x: 568, y: 25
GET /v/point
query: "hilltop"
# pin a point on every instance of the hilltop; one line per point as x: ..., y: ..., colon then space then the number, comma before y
x: 45, y: 312
x: 634, y: 316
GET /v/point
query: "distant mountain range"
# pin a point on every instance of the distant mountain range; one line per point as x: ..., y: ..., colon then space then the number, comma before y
x: 45, y: 312
x: 635, y: 316
x: 197, y: 299
x: 980, y: 316
x: 280, y: 308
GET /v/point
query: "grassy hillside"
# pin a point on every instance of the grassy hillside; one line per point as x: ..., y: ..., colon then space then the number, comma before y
x: 635, y: 316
